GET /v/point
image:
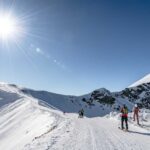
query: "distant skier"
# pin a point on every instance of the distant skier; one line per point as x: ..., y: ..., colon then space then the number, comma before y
x: 81, y: 113
x: 118, y: 108
x: 136, y: 111
x: 124, y: 116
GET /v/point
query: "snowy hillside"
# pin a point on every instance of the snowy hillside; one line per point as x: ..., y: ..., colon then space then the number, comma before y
x: 25, y: 120
x: 8, y: 94
x: 145, y: 79
x: 35, y: 120
x: 71, y: 104
x: 27, y: 126
x: 139, y: 95
x: 97, y: 103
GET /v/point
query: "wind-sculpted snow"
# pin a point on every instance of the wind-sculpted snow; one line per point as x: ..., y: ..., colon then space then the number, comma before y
x: 24, y: 121
x: 7, y: 97
x: 8, y: 94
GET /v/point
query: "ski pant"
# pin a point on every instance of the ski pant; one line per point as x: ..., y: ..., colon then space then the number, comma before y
x: 124, y: 119
x: 136, y: 116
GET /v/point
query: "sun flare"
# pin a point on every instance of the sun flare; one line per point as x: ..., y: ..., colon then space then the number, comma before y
x: 8, y: 26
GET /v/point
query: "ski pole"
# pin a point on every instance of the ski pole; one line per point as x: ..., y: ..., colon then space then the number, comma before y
x: 142, y: 118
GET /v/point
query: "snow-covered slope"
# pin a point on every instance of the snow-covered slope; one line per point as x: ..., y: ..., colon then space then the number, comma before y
x: 145, y: 79
x: 23, y: 121
x: 8, y: 94
x: 93, y: 134
x: 34, y: 120
x: 27, y: 126
x: 97, y: 103
x: 72, y: 104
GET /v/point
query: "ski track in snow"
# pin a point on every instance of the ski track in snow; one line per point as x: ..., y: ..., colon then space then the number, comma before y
x: 93, y: 134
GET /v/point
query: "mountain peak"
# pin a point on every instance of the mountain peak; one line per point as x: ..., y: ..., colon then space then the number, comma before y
x: 145, y: 79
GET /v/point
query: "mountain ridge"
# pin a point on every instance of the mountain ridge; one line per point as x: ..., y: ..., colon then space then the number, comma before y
x: 145, y: 79
x: 96, y: 103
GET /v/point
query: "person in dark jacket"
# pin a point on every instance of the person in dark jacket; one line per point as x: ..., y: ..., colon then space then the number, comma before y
x: 81, y: 113
x: 124, y: 117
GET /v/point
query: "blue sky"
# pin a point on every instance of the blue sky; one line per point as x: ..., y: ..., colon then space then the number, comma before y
x: 76, y: 46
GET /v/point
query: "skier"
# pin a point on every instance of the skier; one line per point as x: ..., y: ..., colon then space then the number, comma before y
x: 81, y: 113
x: 124, y: 117
x: 136, y: 111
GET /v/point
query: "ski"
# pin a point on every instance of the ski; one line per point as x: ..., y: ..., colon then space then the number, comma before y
x: 123, y: 129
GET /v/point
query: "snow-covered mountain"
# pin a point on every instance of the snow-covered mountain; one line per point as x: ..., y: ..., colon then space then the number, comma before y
x: 69, y: 104
x: 145, y: 79
x: 33, y: 120
x: 97, y: 103
x: 22, y: 119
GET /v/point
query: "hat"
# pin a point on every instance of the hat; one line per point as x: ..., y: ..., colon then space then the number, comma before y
x: 135, y: 105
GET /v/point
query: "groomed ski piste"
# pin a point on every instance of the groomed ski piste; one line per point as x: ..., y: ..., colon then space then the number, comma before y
x: 25, y: 124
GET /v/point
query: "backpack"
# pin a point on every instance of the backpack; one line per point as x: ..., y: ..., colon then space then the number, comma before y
x: 124, y: 110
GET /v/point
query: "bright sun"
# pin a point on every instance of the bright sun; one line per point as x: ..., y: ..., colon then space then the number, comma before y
x: 8, y: 26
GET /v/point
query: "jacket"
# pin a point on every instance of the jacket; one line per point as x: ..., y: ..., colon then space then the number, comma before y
x: 124, y: 112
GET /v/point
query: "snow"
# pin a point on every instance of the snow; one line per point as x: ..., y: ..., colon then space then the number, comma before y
x: 22, y: 121
x: 70, y: 104
x: 9, y: 94
x: 28, y: 123
x: 145, y: 79
x: 98, y: 133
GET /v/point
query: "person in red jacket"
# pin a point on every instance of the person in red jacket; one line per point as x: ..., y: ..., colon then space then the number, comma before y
x: 124, y: 116
x: 136, y: 111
